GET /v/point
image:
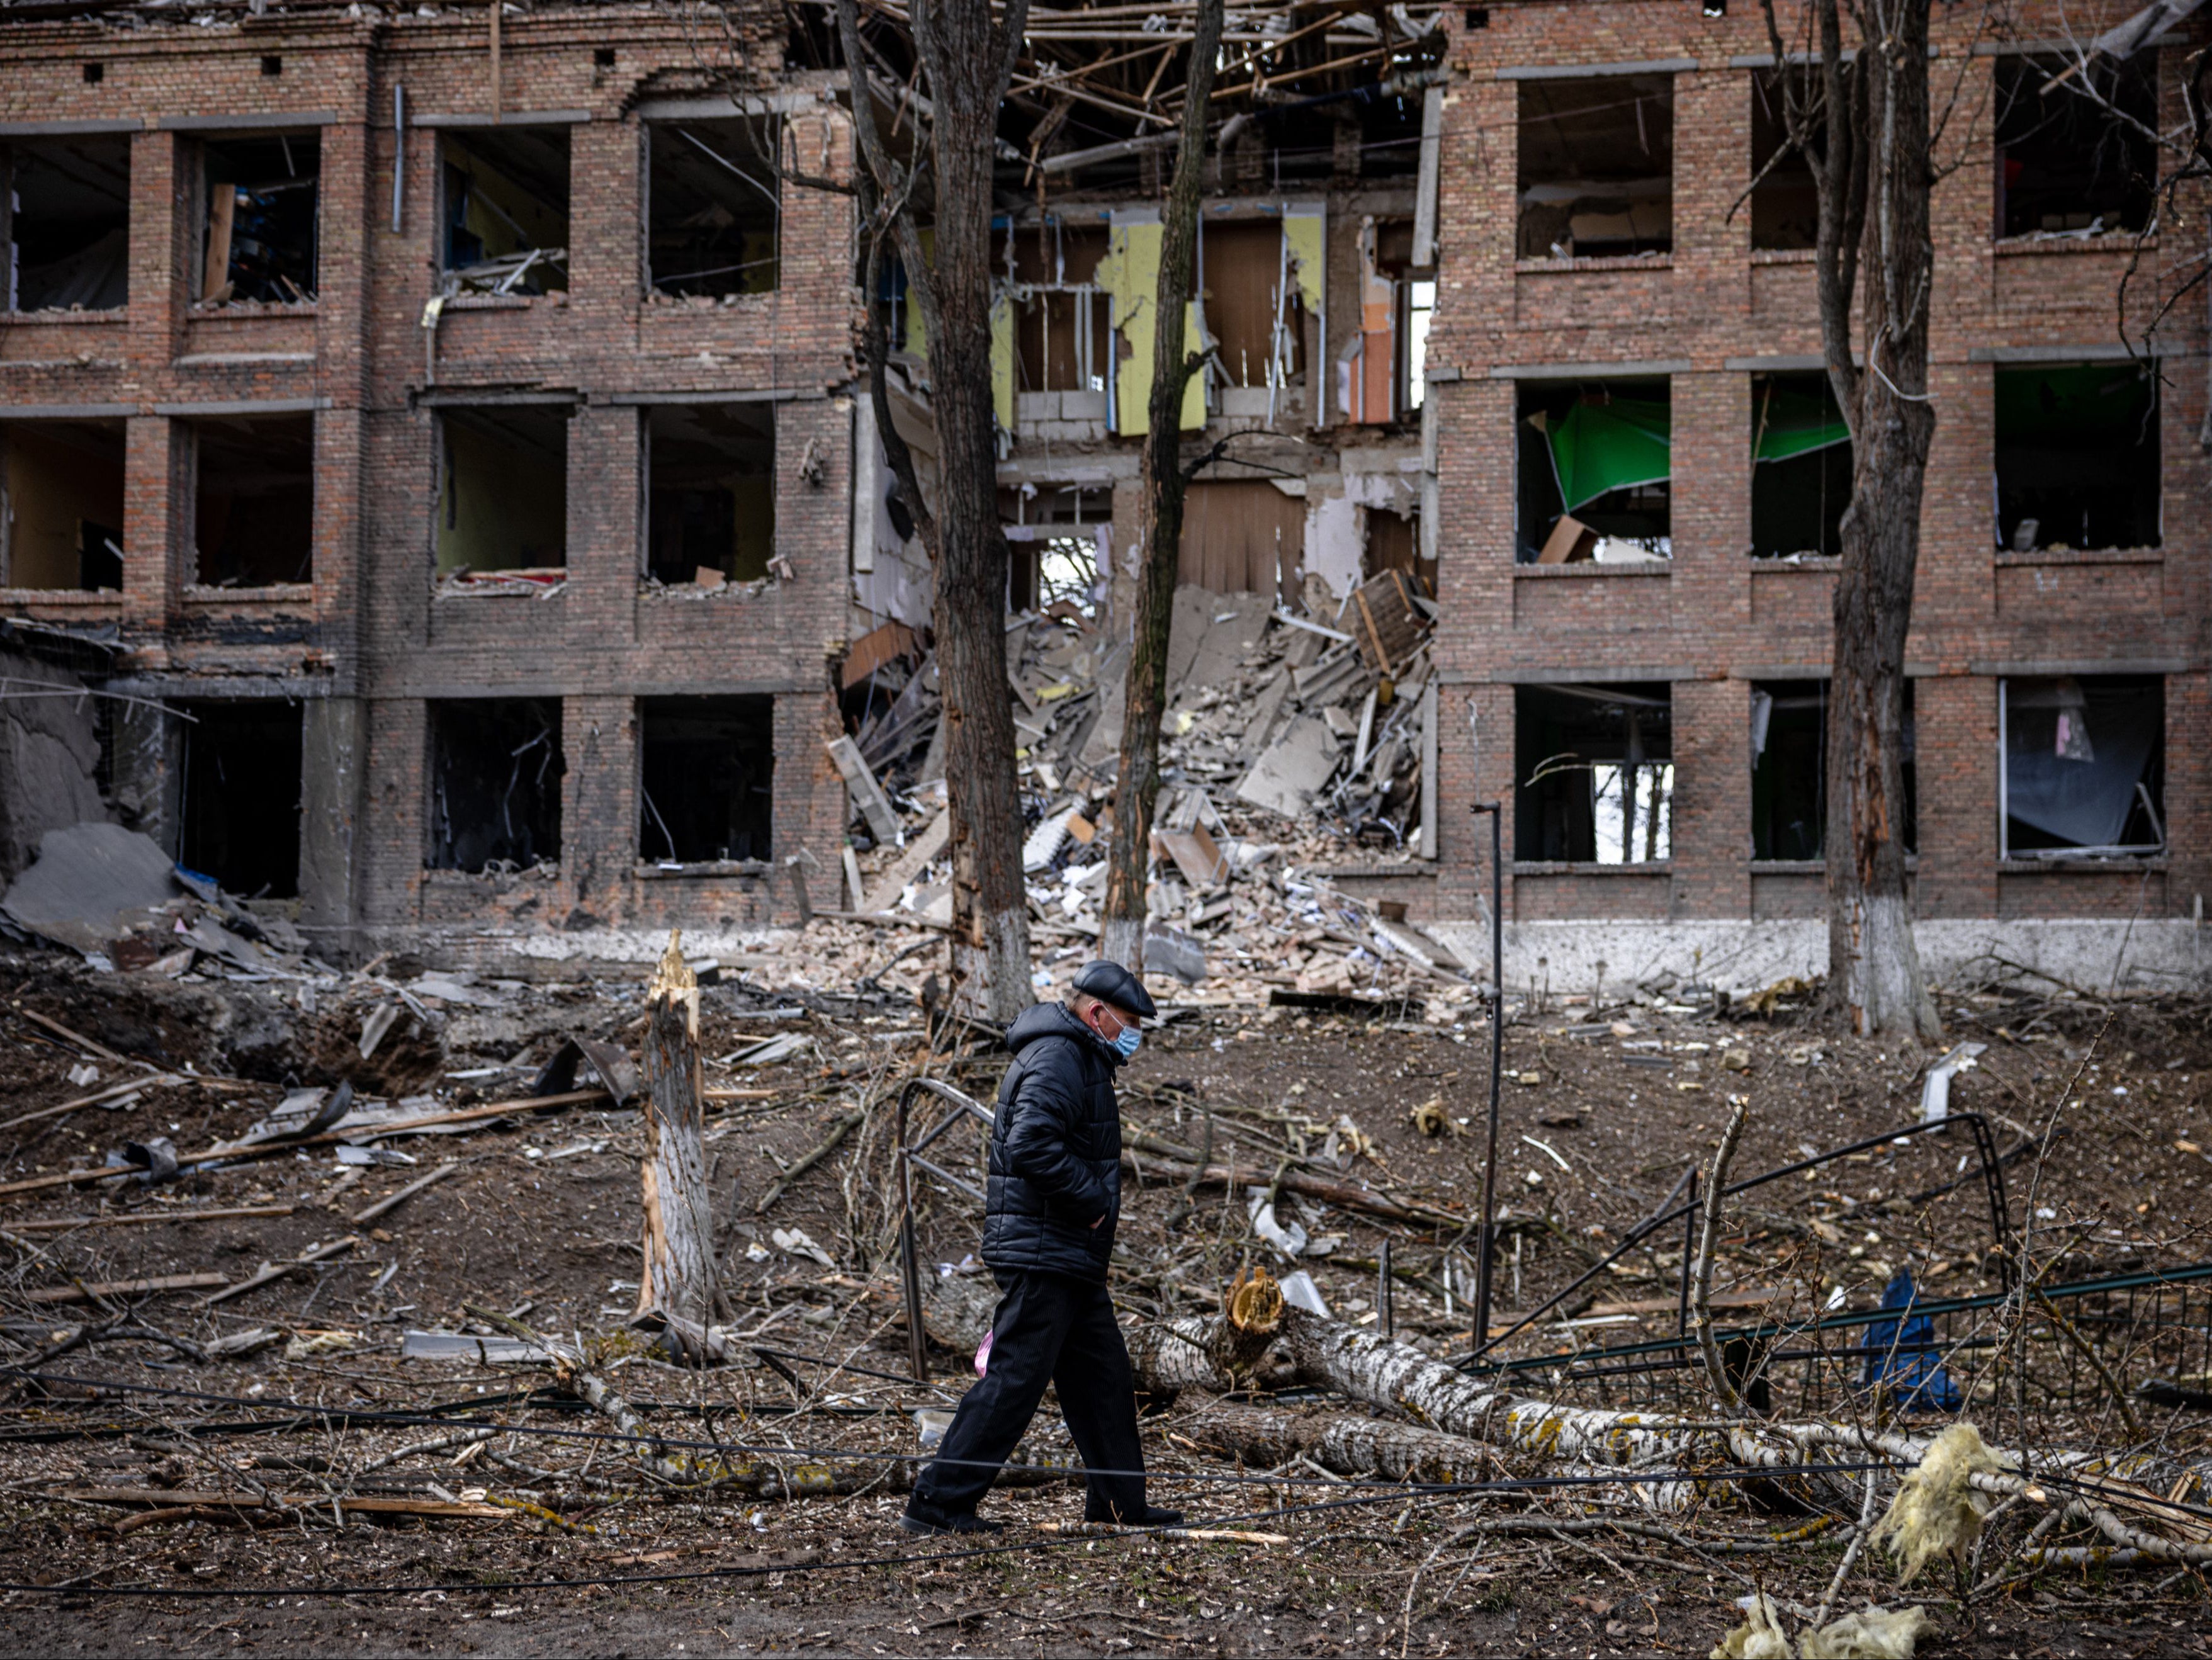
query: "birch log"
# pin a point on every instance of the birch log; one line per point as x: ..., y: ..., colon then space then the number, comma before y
x: 680, y: 1277
x: 1340, y: 1442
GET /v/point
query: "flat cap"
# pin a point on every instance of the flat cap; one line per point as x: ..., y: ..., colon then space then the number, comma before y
x: 1110, y: 982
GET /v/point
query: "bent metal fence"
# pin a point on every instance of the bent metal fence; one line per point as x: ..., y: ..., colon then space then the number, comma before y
x: 910, y: 1151
x: 2149, y: 1333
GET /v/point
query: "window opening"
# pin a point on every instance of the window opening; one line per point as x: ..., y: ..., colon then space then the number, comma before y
x: 2077, y: 458
x: 2068, y: 165
x: 2083, y: 766
x: 253, y: 501
x: 1785, y: 202
x: 506, y: 209
x: 710, y: 493
x: 1789, y: 769
x: 61, y: 505
x: 503, y: 492
x: 1597, y: 166
x: 239, y: 820
x: 65, y: 223
x: 263, y: 203
x: 714, y: 224
x: 1800, y: 473
x: 1594, y: 472
x: 1595, y: 772
x: 496, y: 771
x: 706, y: 769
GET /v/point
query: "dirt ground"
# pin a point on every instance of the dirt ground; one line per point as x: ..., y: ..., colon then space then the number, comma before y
x: 1603, y: 1112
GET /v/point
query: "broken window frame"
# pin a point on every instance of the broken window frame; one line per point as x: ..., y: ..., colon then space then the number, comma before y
x: 652, y: 822
x: 547, y: 786
x: 1814, y: 694
x: 2123, y: 111
x: 194, y: 493
x: 1629, y: 781
x: 446, y: 503
x: 1542, y: 495
x: 216, y: 225
x: 526, y: 271
x: 2021, y: 699
x: 1830, y: 441
x: 85, y: 148
x: 1602, y: 94
x: 738, y: 568
x: 767, y: 184
x: 2033, y: 476
x: 110, y: 536
x: 1793, y: 173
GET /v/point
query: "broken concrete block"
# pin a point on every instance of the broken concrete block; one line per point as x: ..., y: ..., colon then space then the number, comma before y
x: 88, y: 881
x: 1170, y: 951
x: 1296, y: 765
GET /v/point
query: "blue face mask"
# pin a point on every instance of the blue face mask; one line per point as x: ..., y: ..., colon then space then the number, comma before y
x: 1129, y: 1041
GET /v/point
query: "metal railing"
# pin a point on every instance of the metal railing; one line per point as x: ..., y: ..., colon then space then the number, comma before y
x: 1990, y: 1172
x: 909, y: 1156
x: 2154, y: 1325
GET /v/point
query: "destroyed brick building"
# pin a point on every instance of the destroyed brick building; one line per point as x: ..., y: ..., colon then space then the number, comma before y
x: 439, y: 431
x: 435, y: 437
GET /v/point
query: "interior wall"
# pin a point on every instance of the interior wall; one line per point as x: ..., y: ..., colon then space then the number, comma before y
x: 503, y: 504
x: 53, y: 486
x: 1240, y: 538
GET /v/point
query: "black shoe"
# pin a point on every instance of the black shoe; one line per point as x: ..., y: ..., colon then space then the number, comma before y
x: 931, y: 1522
x: 1151, y: 1516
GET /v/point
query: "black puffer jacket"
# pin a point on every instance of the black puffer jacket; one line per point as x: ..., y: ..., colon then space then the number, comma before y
x: 1055, y: 1150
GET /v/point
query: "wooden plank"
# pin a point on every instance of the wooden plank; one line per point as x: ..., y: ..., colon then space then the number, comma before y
x: 101, y: 1050
x: 867, y: 794
x: 129, y: 1086
x: 393, y: 1200
x: 220, y: 1214
x: 1378, y: 659
x: 271, y: 1273
x: 48, y: 1296
x: 267, y: 1149
x: 919, y: 852
x: 188, y: 1498
x: 223, y: 211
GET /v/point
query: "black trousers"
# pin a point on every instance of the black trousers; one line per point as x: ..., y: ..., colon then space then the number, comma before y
x: 1049, y: 1329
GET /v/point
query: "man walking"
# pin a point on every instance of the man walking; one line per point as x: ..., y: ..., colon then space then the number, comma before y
x: 1055, y: 1192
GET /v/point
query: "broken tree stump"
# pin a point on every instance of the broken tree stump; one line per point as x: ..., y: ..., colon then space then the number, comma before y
x: 679, y: 1279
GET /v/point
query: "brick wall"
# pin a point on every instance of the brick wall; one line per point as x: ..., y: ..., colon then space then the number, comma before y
x: 1714, y: 619
x: 367, y: 629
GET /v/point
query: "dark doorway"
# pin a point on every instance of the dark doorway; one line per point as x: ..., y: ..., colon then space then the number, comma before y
x: 240, y: 821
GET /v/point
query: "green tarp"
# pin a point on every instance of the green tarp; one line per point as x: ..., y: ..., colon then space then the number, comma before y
x: 2101, y: 402
x: 1785, y: 423
x: 1601, y: 447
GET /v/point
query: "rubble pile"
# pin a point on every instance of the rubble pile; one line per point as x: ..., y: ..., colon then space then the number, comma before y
x: 1288, y: 743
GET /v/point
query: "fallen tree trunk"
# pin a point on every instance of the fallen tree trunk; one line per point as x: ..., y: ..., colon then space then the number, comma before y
x: 1381, y: 1372
x: 1340, y: 1442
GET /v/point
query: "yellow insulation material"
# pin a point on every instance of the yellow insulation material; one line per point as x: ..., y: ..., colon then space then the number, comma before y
x: 1760, y: 1636
x: 1130, y: 272
x: 1869, y: 1634
x: 1936, y: 1512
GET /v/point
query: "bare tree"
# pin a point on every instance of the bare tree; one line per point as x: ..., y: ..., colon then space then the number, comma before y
x: 1864, y: 127
x: 967, y: 62
x: 1159, y: 527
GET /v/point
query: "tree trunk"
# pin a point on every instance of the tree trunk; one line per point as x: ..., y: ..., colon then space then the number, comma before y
x: 679, y: 1278
x: 1159, y: 524
x: 968, y: 62
x: 1873, y: 168
x: 990, y: 901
